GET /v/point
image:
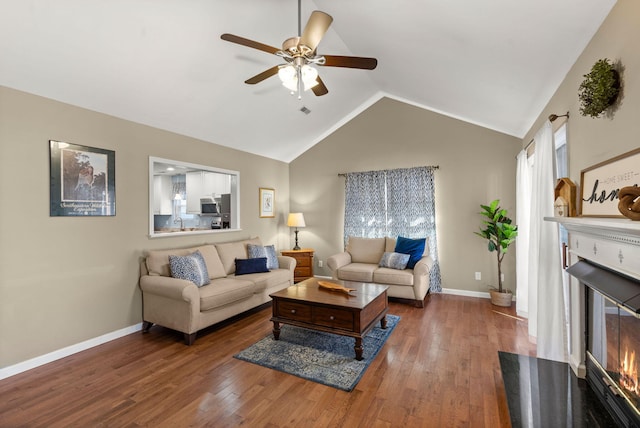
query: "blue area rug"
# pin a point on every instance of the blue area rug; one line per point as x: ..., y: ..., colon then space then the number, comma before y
x: 317, y: 356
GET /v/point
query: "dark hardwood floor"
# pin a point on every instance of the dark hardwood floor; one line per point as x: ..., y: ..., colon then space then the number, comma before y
x: 439, y: 368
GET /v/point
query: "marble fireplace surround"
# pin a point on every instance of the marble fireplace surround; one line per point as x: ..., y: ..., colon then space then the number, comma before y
x: 613, y: 243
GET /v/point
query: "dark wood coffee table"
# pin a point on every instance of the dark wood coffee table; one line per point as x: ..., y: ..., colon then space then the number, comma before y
x: 307, y: 305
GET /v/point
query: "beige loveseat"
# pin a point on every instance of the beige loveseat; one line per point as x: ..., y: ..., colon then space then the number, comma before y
x: 359, y: 262
x: 180, y: 305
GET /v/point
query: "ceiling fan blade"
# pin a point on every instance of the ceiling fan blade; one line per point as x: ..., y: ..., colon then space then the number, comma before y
x: 262, y: 76
x: 350, y: 62
x: 249, y: 43
x: 320, y: 89
x: 315, y: 29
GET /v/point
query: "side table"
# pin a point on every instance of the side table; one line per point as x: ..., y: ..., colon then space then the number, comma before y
x: 304, y: 263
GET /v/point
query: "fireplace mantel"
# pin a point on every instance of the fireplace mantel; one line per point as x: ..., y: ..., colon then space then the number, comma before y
x: 613, y: 243
x: 610, y: 242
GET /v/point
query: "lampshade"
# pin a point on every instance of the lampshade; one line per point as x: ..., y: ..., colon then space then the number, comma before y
x: 296, y: 220
x: 309, y: 76
x: 289, y: 77
x: 290, y: 74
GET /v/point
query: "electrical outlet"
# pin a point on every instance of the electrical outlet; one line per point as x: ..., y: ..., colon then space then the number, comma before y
x: 320, y: 263
x: 478, y: 276
x: 502, y: 277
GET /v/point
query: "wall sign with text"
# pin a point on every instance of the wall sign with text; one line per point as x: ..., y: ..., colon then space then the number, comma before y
x: 601, y: 183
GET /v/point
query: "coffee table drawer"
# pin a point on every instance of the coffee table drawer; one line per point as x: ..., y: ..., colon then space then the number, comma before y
x: 293, y: 311
x: 334, y: 318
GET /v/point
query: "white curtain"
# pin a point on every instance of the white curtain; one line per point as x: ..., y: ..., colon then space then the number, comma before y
x: 523, y: 211
x: 546, y: 297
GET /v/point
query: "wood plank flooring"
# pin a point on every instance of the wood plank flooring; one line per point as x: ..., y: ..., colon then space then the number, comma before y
x: 439, y: 368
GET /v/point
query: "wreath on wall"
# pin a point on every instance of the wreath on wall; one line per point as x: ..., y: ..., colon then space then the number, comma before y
x: 600, y: 88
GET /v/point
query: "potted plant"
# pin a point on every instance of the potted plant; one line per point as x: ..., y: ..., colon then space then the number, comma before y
x: 599, y: 89
x: 500, y: 233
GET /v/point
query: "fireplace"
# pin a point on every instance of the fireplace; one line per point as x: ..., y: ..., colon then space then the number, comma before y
x: 605, y: 311
x: 612, y: 304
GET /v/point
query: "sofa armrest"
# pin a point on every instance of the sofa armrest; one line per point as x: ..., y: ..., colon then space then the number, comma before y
x: 172, y: 288
x: 286, y: 262
x: 423, y: 266
x: 336, y: 261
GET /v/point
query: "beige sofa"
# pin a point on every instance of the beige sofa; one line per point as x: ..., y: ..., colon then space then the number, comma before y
x: 359, y: 262
x: 180, y: 305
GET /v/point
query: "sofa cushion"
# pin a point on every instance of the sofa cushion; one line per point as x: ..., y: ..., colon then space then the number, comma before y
x: 413, y: 247
x: 365, y: 250
x: 389, y: 244
x: 190, y: 267
x: 393, y: 276
x: 362, y: 272
x: 394, y: 260
x: 224, y: 291
x: 230, y: 251
x: 267, y: 280
x: 158, y: 260
x: 268, y: 251
x: 246, y: 266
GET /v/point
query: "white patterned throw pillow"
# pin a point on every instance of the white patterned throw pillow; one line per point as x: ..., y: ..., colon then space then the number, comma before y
x: 191, y: 267
x: 394, y: 260
x: 268, y: 251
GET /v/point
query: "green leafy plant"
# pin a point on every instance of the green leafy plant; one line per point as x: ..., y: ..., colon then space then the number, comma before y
x: 498, y: 231
x: 600, y: 88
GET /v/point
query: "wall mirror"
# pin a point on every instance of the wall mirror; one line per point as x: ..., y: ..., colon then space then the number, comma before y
x: 186, y: 198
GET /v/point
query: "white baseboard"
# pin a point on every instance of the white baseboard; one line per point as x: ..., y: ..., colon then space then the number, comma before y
x: 481, y: 294
x: 32, y: 363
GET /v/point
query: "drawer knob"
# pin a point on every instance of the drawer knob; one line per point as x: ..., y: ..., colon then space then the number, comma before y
x: 293, y: 311
x: 332, y: 317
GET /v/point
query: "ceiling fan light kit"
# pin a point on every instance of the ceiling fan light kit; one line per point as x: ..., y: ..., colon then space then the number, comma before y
x: 299, y: 54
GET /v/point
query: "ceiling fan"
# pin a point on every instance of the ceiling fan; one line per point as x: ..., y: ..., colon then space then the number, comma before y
x: 299, y: 54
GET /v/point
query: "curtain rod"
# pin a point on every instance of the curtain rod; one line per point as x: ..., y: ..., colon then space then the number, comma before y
x: 553, y: 117
x: 344, y: 174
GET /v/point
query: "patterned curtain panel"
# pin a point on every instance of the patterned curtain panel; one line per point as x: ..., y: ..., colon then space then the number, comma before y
x: 365, y: 210
x: 399, y: 202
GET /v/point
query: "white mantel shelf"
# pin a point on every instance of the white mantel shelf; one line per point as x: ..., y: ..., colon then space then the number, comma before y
x: 593, y: 225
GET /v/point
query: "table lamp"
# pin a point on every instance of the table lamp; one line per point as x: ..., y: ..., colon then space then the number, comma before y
x: 296, y: 220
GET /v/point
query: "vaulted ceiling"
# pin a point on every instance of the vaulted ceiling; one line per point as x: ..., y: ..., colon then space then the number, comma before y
x: 495, y: 63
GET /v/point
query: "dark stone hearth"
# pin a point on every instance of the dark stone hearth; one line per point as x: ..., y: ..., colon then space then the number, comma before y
x: 544, y: 393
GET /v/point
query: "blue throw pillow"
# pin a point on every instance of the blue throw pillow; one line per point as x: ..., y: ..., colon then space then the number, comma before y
x: 269, y: 251
x: 394, y: 260
x: 191, y: 267
x: 245, y: 266
x: 413, y: 247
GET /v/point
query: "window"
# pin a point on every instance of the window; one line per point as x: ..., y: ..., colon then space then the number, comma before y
x: 398, y: 202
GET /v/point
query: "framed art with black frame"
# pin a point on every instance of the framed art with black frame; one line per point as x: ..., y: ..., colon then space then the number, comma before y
x: 82, y: 180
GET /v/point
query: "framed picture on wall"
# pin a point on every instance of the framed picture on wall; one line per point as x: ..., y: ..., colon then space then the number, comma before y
x: 82, y: 180
x: 267, y: 202
x: 601, y: 183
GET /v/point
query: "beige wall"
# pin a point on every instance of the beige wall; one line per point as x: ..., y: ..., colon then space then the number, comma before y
x: 64, y: 280
x: 595, y: 140
x: 476, y: 166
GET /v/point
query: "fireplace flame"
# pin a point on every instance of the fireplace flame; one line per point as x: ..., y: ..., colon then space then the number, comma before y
x: 629, y: 372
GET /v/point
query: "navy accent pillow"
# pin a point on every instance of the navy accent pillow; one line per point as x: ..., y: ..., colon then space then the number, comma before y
x: 269, y: 251
x: 413, y: 247
x: 191, y: 267
x: 394, y: 260
x: 245, y: 266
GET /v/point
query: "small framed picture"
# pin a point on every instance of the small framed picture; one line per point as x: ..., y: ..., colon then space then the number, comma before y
x: 82, y: 180
x: 267, y: 202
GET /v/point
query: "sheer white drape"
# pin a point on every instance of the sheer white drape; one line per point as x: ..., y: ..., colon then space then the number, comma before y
x: 546, y: 297
x: 523, y: 212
